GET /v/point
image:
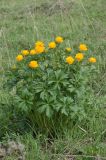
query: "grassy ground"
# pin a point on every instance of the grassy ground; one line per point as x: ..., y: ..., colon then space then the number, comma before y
x: 24, y: 21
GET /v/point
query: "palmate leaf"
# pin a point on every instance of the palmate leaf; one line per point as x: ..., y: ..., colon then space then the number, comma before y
x: 42, y: 108
x: 57, y: 107
x: 39, y: 88
x: 63, y: 111
x: 65, y: 83
x: 71, y: 88
x: 23, y: 107
x: 42, y: 95
x: 60, y: 75
x: 46, y: 109
x: 26, y: 93
x: 49, y: 112
x: 53, y: 94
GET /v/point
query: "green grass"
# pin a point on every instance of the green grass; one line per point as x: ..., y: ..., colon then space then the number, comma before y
x: 22, y: 22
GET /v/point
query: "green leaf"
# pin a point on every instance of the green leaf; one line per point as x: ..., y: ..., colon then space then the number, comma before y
x: 49, y: 112
x: 23, y: 106
x: 63, y: 111
x: 71, y: 89
x: 42, y: 108
x: 42, y: 95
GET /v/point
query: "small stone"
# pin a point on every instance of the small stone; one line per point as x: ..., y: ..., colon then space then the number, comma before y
x: 21, y: 147
x: 2, y: 153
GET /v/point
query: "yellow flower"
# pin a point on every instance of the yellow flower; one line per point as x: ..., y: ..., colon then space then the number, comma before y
x: 40, y: 49
x: 32, y: 52
x: 52, y: 45
x: 25, y: 52
x: 59, y: 39
x: 19, y: 58
x: 70, y: 60
x: 39, y: 43
x: 83, y: 47
x: 68, y: 49
x: 33, y: 64
x: 92, y: 60
x: 79, y: 56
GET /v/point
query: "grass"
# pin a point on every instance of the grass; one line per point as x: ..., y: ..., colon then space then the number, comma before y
x: 24, y: 21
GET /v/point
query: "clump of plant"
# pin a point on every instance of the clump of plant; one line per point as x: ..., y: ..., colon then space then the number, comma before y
x: 50, y: 85
x: 10, y: 120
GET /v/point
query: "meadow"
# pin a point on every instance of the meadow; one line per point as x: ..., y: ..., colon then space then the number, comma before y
x: 22, y: 22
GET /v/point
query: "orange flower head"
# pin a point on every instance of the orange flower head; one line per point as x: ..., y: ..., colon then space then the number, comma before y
x: 92, y: 60
x: 19, y: 58
x: 40, y: 49
x: 79, y: 56
x: 70, y: 60
x: 39, y: 43
x: 32, y: 52
x: 25, y: 52
x: 33, y: 64
x: 83, y: 47
x: 52, y: 45
x: 59, y: 39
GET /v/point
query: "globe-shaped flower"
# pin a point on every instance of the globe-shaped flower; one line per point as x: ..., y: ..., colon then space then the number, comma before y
x: 40, y: 49
x: 59, y: 39
x: 19, y: 58
x: 70, y: 60
x: 83, y: 47
x: 39, y: 43
x: 33, y: 64
x: 92, y: 60
x: 52, y: 45
x: 79, y: 56
x: 32, y: 52
x: 25, y: 52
